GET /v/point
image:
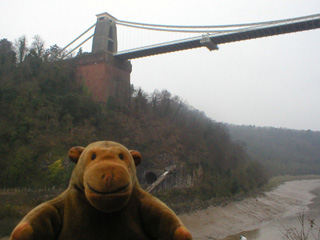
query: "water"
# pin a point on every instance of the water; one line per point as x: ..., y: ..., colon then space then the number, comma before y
x: 259, y: 218
x: 277, y: 229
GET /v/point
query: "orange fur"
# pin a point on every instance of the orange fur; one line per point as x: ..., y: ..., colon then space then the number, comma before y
x: 25, y: 230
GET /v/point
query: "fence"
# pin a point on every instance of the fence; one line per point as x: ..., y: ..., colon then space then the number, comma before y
x: 30, y: 189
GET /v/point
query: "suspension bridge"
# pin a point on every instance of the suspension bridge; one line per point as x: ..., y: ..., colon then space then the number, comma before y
x: 210, y: 36
x: 106, y: 69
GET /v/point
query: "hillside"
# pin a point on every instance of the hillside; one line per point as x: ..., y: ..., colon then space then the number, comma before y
x: 282, y: 151
x: 44, y: 112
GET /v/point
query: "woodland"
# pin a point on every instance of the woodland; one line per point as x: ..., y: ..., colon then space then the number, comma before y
x: 282, y: 151
x: 44, y: 112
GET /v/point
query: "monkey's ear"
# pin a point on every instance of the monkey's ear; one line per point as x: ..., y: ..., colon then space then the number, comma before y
x: 74, y: 153
x: 137, y: 157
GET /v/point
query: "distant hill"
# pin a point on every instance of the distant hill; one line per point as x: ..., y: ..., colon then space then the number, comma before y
x: 283, y: 151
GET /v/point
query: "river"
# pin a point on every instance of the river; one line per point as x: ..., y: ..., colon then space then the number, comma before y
x: 261, y: 218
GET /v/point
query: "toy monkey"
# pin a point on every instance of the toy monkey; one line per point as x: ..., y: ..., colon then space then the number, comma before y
x: 103, y: 201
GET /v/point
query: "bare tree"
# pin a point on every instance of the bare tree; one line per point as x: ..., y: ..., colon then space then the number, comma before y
x: 38, y: 46
x: 308, y: 230
x: 55, y: 53
x: 21, y: 48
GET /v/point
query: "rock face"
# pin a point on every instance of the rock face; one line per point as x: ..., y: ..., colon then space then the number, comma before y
x: 179, y: 177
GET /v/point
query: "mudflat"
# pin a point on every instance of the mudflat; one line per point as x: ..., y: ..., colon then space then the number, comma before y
x: 287, y: 200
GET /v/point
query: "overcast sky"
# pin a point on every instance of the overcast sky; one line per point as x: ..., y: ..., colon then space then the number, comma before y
x: 272, y: 81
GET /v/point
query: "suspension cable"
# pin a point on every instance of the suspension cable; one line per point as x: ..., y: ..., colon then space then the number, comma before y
x: 77, y: 38
x: 172, y: 27
x: 184, y: 31
x: 87, y: 39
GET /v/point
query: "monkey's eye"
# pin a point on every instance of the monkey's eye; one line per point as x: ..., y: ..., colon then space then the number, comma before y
x: 121, y: 156
x: 93, y: 156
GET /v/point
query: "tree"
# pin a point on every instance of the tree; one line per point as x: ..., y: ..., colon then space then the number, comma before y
x: 22, y: 49
x: 80, y: 52
x: 54, y: 53
x: 7, y: 56
x: 38, y: 46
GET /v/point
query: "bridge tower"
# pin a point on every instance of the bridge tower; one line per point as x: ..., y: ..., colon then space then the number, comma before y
x: 105, y: 34
x: 107, y: 78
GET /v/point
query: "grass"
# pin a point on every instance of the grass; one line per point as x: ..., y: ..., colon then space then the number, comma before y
x: 15, y: 205
x: 278, y: 180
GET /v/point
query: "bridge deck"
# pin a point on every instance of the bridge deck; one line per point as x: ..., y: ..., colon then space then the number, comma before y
x: 221, y: 38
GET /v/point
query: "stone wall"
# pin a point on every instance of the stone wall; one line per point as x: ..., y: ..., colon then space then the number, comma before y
x: 104, y: 76
x: 179, y: 178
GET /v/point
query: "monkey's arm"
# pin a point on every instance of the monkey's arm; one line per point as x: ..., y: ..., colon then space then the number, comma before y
x: 160, y: 221
x: 43, y: 222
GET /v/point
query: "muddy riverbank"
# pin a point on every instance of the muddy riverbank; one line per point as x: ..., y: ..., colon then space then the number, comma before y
x: 251, y: 214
